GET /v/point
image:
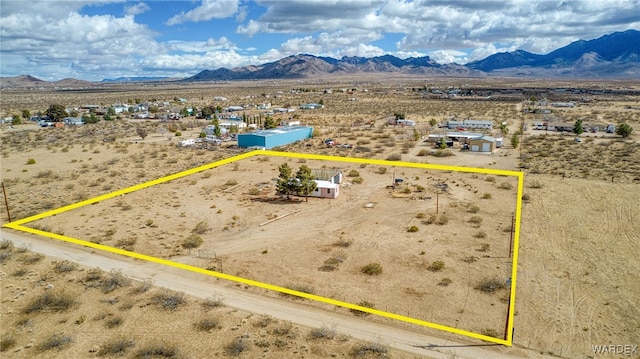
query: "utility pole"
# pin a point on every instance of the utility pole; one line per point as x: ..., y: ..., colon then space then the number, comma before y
x: 6, y: 203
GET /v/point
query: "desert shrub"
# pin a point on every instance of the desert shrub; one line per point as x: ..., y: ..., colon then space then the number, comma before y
x: 420, y: 188
x: 436, y: 266
x: 50, y: 301
x: 420, y: 215
x: 212, y: 302
x: 143, y: 286
x: 480, y: 234
x: 526, y: 197
x: 353, y: 173
x: 505, y: 185
x: 263, y: 321
x: 7, y: 342
x: 381, y: 170
x: 470, y: 259
x: 64, y: 266
x: 473, y: 209
x: 113, y: 322
x: 158, y: 350
x: 445, y: 282
x: 207, y: 324
x: 303, y: 288
x: 54, y: 341
x: 5, y: 256
x: 486, y: 195
x: 254, y: 191
x: 201, y: 228
x: 168, y: 299
x: 31, y: 161
x: 31, y: 258
x: 324, y: 332
x: 358, y: 180
x: 362, y: 303
x: 490, y: 179
x: 117, y: 346
x: 485, y: 247
x: 490, y: 285
x: 535, y: 184
x: 6, y: 244
x: 237, y: 346
x: 406, y: 190
x: 343, y: 242
x: 476, y: 220
x: 372, y: 269
x: 423, y: 152
x: 19, y: 272
x: 443, y: 153
x: 369, y: 349
x: 192, y: 241
x: 178, y: 133
x: 114, y: 280
x: 394, y: 157
x: 442, y: 219
x: 412, y: 229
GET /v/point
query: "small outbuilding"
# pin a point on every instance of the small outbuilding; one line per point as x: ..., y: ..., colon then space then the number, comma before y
x: 275, y: 137
x: 482, y: 144
x: 326, y: 189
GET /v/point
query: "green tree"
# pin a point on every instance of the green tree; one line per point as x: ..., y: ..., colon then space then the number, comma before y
x: 107, y: 117
x: 577, y: 128
x: 432, y: 122
x: 399, y: 115
x: 515, y: 140
x: 624, y: 130
x: 305, y: 182
x: 26, y: 114
x: 74, y: 113
x: 285, y: 181
x: 206, y: 112
x: 233, y: 129
x: 270, y: 122
x: 416, y: 135
x: 217, y: 131
x: 504, y: 129
x: 56, y: 112
x: 184, y: 112
x: 111, y: 111
x: 16, y: 120
x: 443, y: 143
x: 90, y: 118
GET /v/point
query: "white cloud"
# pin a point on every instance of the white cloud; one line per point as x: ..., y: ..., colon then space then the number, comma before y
x: 53, y: 39
x: 136, y: 9
x: 209, y: 9
x: 449, y: 56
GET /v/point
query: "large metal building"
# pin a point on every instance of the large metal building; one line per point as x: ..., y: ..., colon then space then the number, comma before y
x: 275, y: 137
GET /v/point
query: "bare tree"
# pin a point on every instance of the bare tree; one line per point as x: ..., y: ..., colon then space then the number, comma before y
x: 141, y: 132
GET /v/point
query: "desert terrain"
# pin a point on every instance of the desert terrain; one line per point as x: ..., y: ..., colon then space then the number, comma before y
x: 577, y: 272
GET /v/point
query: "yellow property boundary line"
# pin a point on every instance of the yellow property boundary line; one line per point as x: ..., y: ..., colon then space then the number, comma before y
x: 18, y: 225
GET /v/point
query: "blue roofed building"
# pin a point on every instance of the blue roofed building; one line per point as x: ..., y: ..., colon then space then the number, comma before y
x: 274, y: 137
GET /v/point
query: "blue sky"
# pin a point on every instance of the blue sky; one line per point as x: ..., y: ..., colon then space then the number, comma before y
x: 98, y: 39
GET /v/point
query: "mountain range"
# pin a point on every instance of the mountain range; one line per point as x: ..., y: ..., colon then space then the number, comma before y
x: 615, y: 55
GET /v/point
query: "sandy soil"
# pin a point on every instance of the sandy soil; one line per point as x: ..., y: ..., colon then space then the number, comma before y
x: 577, y: 271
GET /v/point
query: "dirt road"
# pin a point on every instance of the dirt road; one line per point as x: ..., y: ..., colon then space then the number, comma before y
x: 202, y: 287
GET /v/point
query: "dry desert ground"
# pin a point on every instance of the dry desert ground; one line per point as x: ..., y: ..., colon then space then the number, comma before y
x: 577, y: 272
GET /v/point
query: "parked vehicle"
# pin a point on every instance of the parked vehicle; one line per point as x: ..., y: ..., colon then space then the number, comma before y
x: 611, y: 128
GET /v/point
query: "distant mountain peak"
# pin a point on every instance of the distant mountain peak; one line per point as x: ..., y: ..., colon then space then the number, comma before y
x: 602, y: 56
x: 306, y: 65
